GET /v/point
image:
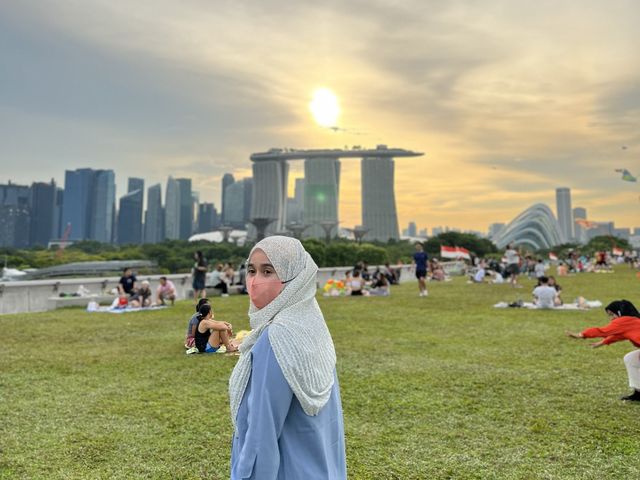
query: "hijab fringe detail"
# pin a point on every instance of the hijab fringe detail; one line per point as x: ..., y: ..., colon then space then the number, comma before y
x: 298, y: 334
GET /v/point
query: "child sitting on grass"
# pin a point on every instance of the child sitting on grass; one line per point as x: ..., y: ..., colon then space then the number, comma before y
x: 190, y: 339
x: 210, y: 334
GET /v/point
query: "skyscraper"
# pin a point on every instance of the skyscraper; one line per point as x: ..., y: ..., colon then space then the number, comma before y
x: 234, y: 197
x: 248, y: 196
x: 227, y: 179
x: 378, y: 199
x: 580, y: 232
x: 102, y: 215
x: 563, y: 210
x: 186, y: 208
x: 268, y: 208
x: 135, y: 184
x: 412, y: 230
x: 154, y: 216
x: 322, y: 177
x: 43, y: 203
x: 130, y: 218
x: 56, y: 227
x: 207, y: 216
x: 15, y: 215
x: 78, y: 202
x: 172, y: 210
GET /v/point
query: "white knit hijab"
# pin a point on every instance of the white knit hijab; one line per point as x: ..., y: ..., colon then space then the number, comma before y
x: 297, y: 331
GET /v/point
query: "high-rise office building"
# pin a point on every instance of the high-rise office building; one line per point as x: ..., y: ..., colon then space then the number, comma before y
x: 207, y: 217
x: 295, y: 204
x: 379, y: 214
x: 78, y: 202
x: 130, y: 213
x: 268, y: 207
x: 56, y: 227
x: 322, y: 177
x: 43, y: 204
x: 248, y: 197
x: 102, y: 216
x: 154, y: 216
x: 135, y: 184
x: 172, y: 210
x: 234, y: 197
x: 130, y: 218
x: 580, y: 233
x: 412, y: 229
x: 15, y: 215
x: 565, y: 215
x: 186, y: 208
x: 89, y: 204
x: 227, y: 179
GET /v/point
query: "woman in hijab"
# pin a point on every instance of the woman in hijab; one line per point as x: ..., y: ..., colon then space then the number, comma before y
x: 284, y: 393
x: 625, y: 325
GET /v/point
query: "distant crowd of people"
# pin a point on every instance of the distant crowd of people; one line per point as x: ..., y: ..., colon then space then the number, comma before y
x: 220, y: 278
x: 134, y: 294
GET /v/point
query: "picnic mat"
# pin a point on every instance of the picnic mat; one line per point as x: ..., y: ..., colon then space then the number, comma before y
x: 126, y: 310
x: 586, y: 305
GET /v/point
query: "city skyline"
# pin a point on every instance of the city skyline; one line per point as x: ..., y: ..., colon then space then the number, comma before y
x: 507, y: 101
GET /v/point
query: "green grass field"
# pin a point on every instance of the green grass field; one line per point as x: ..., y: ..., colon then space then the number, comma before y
x: 432, y: 388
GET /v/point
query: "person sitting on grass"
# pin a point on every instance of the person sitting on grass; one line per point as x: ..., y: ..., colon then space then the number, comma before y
x: 190, y: 338
x: 356, y: 285
x: 121, y: 303
x: 166, y: 291
x: 478, y: 277
x: 127, y: 283
x: 625, y: 325
x: 552, y: 283
x: 380, y: 288
x: 210, y: 334
x: 543, y: 295
x: 217, y: 280
x: 142, y: 296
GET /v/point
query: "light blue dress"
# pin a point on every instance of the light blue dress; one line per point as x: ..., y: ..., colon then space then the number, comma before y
x: 274, y: 438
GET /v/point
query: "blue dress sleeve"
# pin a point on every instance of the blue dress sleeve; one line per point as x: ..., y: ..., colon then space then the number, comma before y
x: 268, y: 398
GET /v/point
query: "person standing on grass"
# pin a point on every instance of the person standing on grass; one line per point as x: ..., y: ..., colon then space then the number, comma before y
x: 284, y: 392
x: 199, y: 276
x: 625, y: 325
x: 513, y: 264
x: 420, y: 261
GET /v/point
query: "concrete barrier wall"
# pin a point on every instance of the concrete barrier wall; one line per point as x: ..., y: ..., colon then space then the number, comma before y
x: 36, y: 295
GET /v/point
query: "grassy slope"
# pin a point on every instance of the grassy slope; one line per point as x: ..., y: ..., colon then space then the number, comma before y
x: 437, y: 387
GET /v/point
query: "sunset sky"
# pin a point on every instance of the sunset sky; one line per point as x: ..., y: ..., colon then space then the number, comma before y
x: 507, y: 99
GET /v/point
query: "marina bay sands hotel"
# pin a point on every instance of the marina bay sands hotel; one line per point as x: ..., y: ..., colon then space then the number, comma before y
x: 321, y: 191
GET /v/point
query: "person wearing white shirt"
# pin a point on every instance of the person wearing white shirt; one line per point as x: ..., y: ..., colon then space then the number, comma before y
x: 544, y: 295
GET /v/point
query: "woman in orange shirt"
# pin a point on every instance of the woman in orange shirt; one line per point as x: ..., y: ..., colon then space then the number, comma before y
x: 625, y: 325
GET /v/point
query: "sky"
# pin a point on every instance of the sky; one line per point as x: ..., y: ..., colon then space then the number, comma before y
x: 507, y: 99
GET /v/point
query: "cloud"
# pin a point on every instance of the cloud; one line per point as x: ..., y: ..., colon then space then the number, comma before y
x: 508, y: 99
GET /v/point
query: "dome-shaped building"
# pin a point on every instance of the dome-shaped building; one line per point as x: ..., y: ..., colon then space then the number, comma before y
x: 536, y: 227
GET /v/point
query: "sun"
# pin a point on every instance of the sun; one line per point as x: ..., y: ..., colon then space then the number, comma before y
x: 324, y: 107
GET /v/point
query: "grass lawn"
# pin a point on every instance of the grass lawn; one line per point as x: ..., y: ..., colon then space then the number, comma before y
x: 432, y: 388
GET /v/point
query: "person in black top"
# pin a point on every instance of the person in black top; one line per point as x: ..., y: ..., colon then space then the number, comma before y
x: 127, y: 284
x: 420, y: 261
x: 199, y: 275
x: 210, y: 333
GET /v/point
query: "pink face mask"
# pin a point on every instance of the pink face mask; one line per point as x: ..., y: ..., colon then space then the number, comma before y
x: 263, y: 292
